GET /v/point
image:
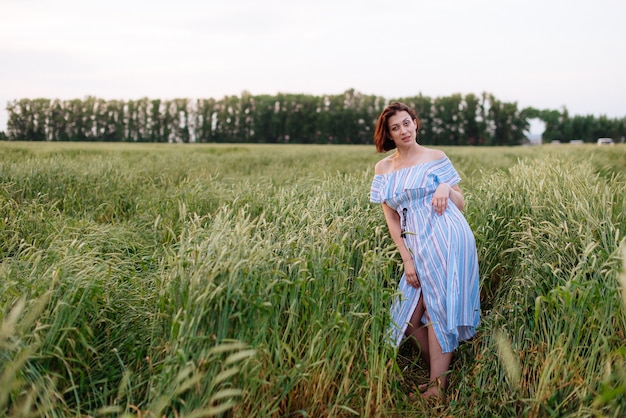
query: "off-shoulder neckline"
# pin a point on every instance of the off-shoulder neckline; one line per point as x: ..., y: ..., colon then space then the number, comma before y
x: 412, y: 166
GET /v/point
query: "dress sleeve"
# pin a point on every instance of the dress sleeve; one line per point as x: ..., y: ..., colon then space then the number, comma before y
x: 376, y: 190
x: 448, y: 174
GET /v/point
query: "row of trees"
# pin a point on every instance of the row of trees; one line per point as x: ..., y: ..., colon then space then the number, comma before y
x: 347, y: 118
x: 560, y: 126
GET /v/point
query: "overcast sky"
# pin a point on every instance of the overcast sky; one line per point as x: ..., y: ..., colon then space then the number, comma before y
x: 540, y: 53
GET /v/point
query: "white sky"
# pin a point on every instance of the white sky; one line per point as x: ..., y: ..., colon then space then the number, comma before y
x: 540, y: 53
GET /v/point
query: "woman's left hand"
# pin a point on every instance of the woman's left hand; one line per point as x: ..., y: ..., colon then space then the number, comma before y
x: 441, y: 197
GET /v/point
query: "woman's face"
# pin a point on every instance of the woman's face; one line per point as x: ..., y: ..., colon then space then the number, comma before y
x: 402, y: 129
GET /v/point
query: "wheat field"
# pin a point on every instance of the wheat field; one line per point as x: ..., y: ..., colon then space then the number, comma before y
x: 255, y: 280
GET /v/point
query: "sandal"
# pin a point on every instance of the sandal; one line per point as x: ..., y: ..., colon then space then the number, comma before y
x: 419, y: 389
x: 434, y: 392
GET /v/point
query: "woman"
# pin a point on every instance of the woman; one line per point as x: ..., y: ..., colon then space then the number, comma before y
x: 418, y: 188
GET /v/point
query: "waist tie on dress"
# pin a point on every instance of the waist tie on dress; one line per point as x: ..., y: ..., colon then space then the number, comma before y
x: 403, y: 223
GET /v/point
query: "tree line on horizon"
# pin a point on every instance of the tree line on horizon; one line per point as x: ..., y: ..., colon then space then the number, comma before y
x: 347, y: 118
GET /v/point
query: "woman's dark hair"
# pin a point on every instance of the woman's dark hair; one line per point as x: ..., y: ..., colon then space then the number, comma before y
x: 382, y: 139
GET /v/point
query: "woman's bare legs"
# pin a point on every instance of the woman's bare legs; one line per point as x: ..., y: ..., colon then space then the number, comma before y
x: 419, y: 331
x: 430, y: 350
x: 439, y: 366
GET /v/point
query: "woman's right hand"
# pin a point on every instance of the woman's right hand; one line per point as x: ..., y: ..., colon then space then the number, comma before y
x: 411, y: 274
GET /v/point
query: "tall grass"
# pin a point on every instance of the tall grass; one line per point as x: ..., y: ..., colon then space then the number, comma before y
x: 256, y: 281
x: 550, y: 247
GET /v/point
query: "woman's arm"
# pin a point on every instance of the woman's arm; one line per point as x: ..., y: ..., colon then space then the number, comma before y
x: 444, y: 193
x: 395, y: 230
x: 457, y: 197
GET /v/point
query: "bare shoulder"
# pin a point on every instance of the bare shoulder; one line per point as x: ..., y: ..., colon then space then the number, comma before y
x: 435, y: 154
x: 383, y: 166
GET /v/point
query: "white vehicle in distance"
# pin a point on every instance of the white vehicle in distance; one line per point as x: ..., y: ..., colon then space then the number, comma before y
x: 605, y: 141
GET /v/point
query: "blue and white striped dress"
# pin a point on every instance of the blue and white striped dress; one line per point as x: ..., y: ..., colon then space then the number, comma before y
x: 443, y: 249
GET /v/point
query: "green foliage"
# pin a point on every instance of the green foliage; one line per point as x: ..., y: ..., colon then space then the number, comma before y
x: 560, y: 126
x: 553, y: 228
x: 347, y: 118
x: 255, y: 280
